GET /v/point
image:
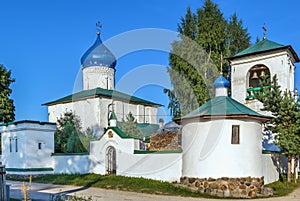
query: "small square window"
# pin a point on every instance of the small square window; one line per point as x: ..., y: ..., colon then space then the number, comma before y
x: 39, y: 145
x: 235, y: 135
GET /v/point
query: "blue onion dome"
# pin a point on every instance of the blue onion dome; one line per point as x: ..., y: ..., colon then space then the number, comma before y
x: 221, y: 82
x: 98, y: 55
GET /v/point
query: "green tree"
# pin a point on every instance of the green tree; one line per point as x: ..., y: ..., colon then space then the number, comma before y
x: 130, y: 126
x: 86, y: 137
x: 7, y: 107
x: 286, y: 124
x: 238, y: 37
x: 195, y: 60
x: 211, y: 30
x: 67, y: 134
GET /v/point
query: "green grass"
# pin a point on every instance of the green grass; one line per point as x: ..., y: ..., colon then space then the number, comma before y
x: 282, y: 188
x: 142, y: 185
x: 117, y: 182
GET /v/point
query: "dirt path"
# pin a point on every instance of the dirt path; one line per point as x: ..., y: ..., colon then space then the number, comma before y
x: 45, y: 192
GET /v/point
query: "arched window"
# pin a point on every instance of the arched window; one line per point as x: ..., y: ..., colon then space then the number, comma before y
x: 254, y: 76
x: 111, y: 164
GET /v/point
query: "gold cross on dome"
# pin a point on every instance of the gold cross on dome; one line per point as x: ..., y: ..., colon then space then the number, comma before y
x: 99, y: 26
x: 265, y: 32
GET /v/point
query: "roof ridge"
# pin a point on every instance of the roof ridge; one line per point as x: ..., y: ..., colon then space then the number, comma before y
x: 103, y: 92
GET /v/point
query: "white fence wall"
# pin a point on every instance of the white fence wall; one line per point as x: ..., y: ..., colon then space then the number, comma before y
x: 71, y: 164
x: 159, y: 166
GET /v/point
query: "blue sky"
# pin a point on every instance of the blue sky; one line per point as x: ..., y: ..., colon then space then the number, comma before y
x: 42, y: 41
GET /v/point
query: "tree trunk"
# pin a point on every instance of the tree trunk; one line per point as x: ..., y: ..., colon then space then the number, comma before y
x: 289, y: 168
x: 295, y: 169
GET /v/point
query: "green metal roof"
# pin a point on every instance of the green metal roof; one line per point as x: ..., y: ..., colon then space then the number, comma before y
x: 121, y: 133
x: 99, y: 92
x: 223, y: 106
x: 27, y: 121
x: 264, y: 46
x: 148, y: 129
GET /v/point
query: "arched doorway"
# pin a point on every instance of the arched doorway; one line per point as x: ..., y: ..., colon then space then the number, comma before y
x: 254, y: 76
x: 111, y: 165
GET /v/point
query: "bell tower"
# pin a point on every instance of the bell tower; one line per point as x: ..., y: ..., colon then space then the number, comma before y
x: 263, y: 58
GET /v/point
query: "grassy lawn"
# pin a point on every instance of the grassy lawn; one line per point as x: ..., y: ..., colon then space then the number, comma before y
x: 141, y: 185
x: 282, y: 188
x: 117, y: 182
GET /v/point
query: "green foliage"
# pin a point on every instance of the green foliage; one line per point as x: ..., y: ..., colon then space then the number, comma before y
x: 237, y: 36
x: 141, y: 185
x: 286, y: 122
x: 285, y: 109
x: 195, y: 60
x: 130, y: 126
x: 282, y: 188
x: 7, y: 107
x: 86, y: 137
x: 67, y: 136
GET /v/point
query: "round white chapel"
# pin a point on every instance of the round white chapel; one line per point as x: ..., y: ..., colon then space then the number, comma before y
x: 222, y: 138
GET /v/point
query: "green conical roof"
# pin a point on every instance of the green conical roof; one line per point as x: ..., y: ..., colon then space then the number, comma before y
x: 224, y: 107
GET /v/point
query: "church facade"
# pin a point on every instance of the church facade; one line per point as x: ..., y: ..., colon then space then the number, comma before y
x: 220, y: 139
x: 98, y: 98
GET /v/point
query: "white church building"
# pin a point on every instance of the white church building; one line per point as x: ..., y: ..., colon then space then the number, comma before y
x: 220, y: 139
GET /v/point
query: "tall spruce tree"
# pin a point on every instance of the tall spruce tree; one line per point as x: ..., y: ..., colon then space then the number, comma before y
x: 237, y: 36
x: 7, y: 107
x: 286, y: 124
x: 195, y: 60
x: 68, y: 134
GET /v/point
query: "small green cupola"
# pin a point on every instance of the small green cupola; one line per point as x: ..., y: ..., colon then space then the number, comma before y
x: 112, y: 119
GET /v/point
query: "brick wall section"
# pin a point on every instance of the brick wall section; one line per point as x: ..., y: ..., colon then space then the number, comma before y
x: 244, y: 187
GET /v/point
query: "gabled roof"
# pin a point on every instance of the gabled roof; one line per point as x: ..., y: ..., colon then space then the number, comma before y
x: 265, y: 46
x: 224, y: 107
x: 120, y: 133
x: 99, y: 92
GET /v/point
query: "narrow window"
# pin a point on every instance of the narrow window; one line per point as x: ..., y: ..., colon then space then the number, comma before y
x: 16, y: 144
x: 39, y: 145
x: 235, y: 135
x: 10, y: 146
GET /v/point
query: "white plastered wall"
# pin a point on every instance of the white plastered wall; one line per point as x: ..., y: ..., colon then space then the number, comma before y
x: 28, y: 155
x: 208, y: 152
x: 165, y: 167
x: 93, y: 112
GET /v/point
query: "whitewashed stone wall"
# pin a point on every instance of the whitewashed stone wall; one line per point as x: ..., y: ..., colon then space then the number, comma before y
x: 98, y: 76
x: 165, y: 166
x: 93, y: 112
x: 71, y: 164
x: 207, y: 145
x: 20, y: 145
